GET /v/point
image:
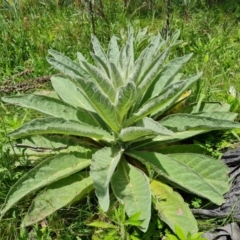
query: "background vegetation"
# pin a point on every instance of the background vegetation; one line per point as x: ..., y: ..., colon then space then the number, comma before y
x: 29, y: 28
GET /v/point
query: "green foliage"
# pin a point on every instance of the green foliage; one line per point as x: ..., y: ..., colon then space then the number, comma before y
x: 100, y: 131
x: 179, y: 235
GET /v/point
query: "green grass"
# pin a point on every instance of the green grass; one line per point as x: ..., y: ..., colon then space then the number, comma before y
x: 33, y: 27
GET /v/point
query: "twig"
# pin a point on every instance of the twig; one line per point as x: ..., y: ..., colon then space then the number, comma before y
x: 40, y: 149
x: 24, y: 86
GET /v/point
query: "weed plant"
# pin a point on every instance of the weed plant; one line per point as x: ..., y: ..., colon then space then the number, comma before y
x: 30, y: 28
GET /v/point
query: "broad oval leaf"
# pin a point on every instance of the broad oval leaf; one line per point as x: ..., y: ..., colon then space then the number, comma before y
x: 212, y: 170
x: 149, y: 123
x: 47, y: 172
x: 103, y: 165
x: 180, y: 174
x: 58, y: 195
x: 131, y: 187
x: 60, y: 126
x: 146, y: 127
x: 46, y: 145
x: 172, y: 209
x: 136, y: 133
x: 183, y: 122
x: 50, y: 106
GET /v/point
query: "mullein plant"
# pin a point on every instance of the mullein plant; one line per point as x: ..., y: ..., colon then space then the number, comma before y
x: 103, y: 130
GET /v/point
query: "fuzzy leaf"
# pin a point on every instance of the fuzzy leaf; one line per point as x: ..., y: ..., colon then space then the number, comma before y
x: 149, y: 123
x: 116, y: 75
x: 113, y: 50
x: 101, y: 103
x: 147, y: 55
x: 183, y: 122
x: 131, y: 187
x: 206, y: 107
x: 41, y: 146
x: 102, y: 80
x: 145, y: 127
x: 69, y: 93
x: 50, y: 106
x: 151, y: 73
x: 183, y: 176
x: 135, y: 133
x: 164, y: 101
x: 104, y: 163
x: 159, y: 140
x: 49, y: 171
x: 125, y: 99
x: 60, y: 126
x: 168, y: 73
x: 172, y: 209
x: 103, y: 67
x: 98, y: 50
x: 68, y: 66
x: 58, y: 195
x: 212, y: 170
x: 217, y: 115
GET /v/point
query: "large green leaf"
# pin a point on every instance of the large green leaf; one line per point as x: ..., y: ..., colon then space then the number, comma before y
x: 206, y: 107
x: 58, y: 195
x: 67, y: 66
x: 103, y: 165
x: 149, y: 123
x: 217, y: 115
x: 113, y: 50
x: 125, y: 98
x: 168, y: 73
x: 116, y: 75
x: 181, y: 175
x: 161, y: 139
x: 213, y: 171
x: 60, y: 126
x: 145, y: 127
x: 69, y: 93
x: 101, y: 103
x: 164, y: 101
x: 172, y: 209
x: 41, y: 146
x: 183, y: 122
x: 102, y: 80
x: 49, y: 171
x: 50, y: 106
x: 147, y: 55
x: 101, y: 66
x: 131, y: 187
x: 151, y: 74
x: 136, y: 133
x: 76, y: 72
x: 98, y: 50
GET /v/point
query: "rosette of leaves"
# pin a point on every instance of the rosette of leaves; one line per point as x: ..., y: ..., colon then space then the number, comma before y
x: 101, y: 131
